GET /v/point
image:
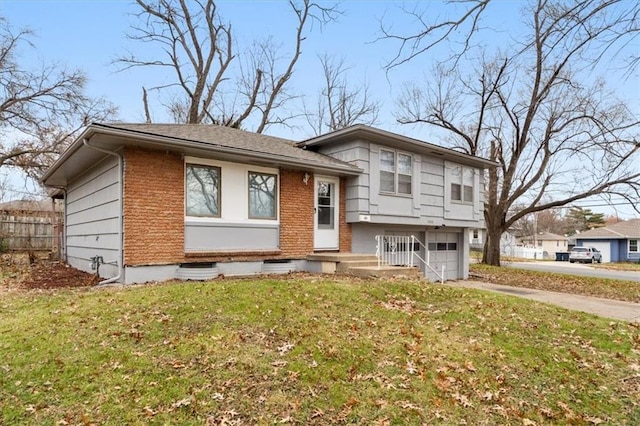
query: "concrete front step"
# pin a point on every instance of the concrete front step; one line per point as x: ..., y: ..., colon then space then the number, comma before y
x: 383, y: 271
x: 345, y: 265
x: 361, y: 265
x: 341, y: 257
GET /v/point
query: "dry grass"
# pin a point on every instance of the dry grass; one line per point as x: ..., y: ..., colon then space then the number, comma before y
x: 575, y: 284
x: 309, y: 350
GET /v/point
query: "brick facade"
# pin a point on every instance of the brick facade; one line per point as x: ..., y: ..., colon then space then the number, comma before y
x: 296, y: 214
x: 153, y: 207
x: 345, y: 228
x: 154, y: 213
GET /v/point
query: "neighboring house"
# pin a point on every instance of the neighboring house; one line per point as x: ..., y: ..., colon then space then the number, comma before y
x: 619, y: 242
x: 476, y: 238
x: 27, y: 225
x: 163, y: 201
x: 548, y: 242
x: 508, y: 243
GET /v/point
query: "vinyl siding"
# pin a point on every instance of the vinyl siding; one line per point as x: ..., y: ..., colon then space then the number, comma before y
x: 92, y: 221
x: 428, y: 205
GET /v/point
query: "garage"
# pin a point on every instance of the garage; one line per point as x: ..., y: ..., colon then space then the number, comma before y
x: 603, y: 247
x: 444, y: 250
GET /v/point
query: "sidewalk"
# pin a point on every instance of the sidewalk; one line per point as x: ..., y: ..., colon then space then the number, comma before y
x: 614, y: 309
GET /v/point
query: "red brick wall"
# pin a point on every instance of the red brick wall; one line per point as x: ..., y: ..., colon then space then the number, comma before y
x: 296, y: 213
x: 153, y: 207
x: 345, y: 228
x: 154, y: 213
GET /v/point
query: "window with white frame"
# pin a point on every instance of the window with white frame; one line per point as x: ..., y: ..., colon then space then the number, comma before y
x: 202, y: 190
x: 262, y: 196
x: 462, y: 184
x: 395, y: 172
x: 633, y: 246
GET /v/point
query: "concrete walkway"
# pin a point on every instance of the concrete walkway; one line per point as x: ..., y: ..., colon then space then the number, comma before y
x: 614, y: 309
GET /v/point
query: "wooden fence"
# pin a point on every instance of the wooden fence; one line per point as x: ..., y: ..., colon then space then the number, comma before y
x: 27, y: 233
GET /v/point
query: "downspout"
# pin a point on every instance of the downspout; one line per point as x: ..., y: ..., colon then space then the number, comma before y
x: 85, y: 142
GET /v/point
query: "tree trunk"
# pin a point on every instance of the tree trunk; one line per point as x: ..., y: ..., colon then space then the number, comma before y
x: 491, y: 251
x: 495, y: 224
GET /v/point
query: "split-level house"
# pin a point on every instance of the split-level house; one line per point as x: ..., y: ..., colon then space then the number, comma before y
x: 147, y: 202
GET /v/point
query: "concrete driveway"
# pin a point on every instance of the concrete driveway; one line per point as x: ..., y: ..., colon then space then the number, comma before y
x: 575, y: 269
x: 607, y: 308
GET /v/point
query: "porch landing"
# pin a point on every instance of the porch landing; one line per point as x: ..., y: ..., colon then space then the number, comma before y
x: 361, y: 265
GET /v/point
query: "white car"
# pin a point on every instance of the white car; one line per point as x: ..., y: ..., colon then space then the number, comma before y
x: 585, y: 254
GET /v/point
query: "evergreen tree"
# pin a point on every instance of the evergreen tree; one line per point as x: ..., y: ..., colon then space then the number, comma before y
x: 579, y: 219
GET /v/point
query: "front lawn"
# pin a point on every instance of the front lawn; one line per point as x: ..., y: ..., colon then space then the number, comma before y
x: 575, y: 284
x: 619, y: 266
x: 310, y: 350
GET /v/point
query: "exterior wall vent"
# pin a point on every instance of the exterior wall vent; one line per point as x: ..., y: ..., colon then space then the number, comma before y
x: 278, y: 266
x: 198, y: 271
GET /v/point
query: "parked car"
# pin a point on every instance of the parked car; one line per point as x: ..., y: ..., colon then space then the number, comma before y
x: 585, y: 254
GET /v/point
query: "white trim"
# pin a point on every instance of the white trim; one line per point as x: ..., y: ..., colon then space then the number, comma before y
x: 317, y: 244
x: 234, y: 202
x: 219, y: 163
x: 396, y: 181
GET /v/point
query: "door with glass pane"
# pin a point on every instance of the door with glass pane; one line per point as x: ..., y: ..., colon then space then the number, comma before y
x: 327, y: 202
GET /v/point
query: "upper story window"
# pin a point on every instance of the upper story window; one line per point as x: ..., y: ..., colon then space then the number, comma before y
x: 262, y: 195
x: 203, y: 190
x: 395, y: 172
x: 462, y: 179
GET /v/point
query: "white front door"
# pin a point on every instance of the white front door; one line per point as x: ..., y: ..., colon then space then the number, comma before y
x: 327, y: 202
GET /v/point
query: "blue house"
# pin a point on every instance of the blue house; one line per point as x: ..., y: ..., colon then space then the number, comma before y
x: 619, y: 242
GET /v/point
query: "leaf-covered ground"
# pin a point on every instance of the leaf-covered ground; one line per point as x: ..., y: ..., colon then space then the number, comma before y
x: 588, y: 286
x: 622, y: 266
x: 310, y: 350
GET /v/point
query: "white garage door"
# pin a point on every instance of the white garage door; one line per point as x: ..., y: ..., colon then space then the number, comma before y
x: 604, y: 248
x: 444, y: 250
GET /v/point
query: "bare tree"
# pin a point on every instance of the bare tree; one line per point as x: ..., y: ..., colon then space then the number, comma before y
x: 340, y: 102
x: 212, y: 83
x: 558, y: 134
x: 434, y: 33
x: 40, y: 109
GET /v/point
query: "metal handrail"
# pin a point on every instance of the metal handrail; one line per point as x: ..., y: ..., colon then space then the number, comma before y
x: 427, y: 262
x: 388, y: 251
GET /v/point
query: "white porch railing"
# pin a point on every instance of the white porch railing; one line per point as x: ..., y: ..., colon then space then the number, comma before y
x: 399, y: 250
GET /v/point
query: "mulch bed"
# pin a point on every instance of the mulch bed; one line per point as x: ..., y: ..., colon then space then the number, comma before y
x: 55, y: 274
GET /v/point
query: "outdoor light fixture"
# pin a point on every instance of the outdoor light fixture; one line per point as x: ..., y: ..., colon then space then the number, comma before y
x: 306, y: 178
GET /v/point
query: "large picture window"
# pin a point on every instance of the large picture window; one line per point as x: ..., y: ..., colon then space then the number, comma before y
x: 462, y: 187
x: 395, y: 172
x: 203, y: 190
x: 262, y: 196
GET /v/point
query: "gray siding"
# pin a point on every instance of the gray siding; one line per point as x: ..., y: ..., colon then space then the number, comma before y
x: 455, y: 262
x: 92, y: 220
x: 208, y: 236
x: 357, y: 188
x: 429, y: 205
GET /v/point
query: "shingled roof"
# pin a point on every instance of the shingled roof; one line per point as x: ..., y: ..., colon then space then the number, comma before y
x: 255, y: 144
x: 546, y: 236
x: 620, y: 230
